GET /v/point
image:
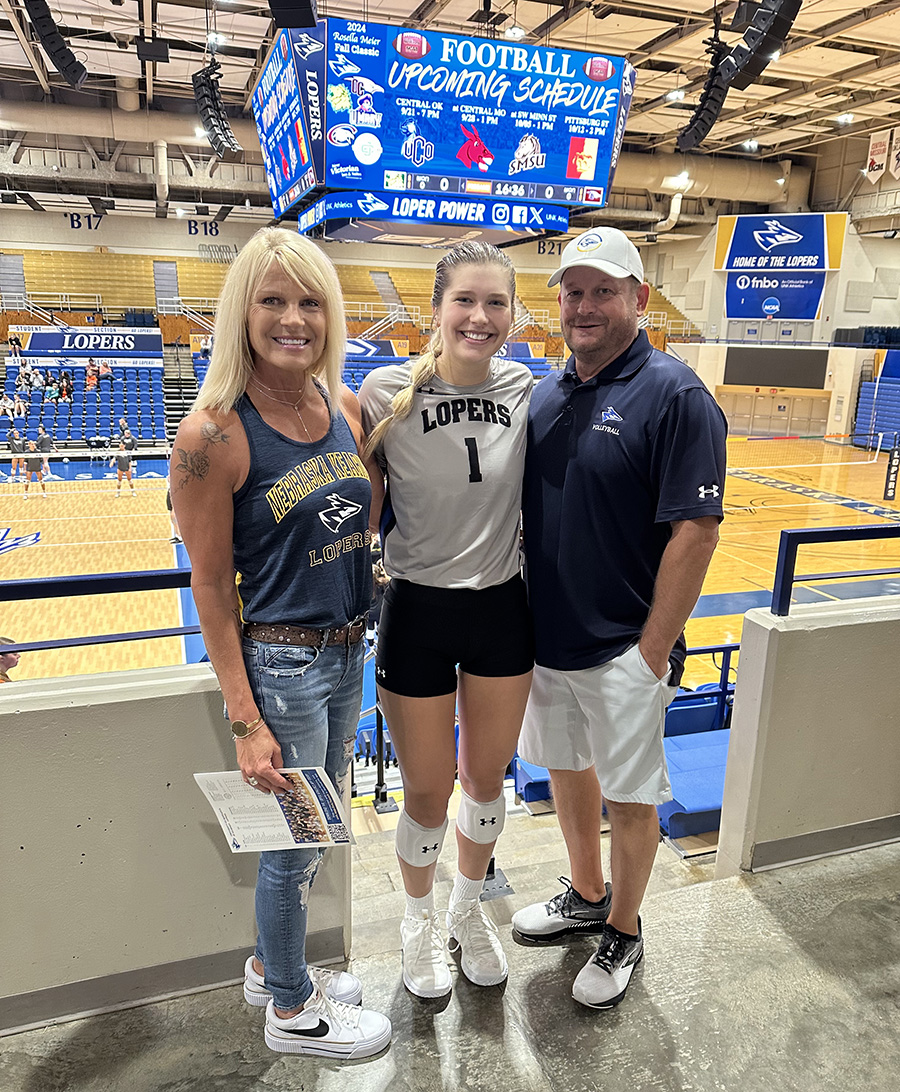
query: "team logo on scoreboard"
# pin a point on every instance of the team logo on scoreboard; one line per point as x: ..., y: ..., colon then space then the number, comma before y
x: 415, y: 147
x: 593, y: 197
x: 305, y: 46
x: 475, y: 153
x: 395, y: 180
x: 364, y: 113
x: 341, y: 135
x: 367, y: 149
x: 582, y: 158
x: 528, y: 156
x: 369, y: 203
x: 340, y: 66
x: 411, y: 45
x: 598, y: 69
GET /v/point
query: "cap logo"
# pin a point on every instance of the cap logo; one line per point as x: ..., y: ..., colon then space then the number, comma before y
x: 588, y: 242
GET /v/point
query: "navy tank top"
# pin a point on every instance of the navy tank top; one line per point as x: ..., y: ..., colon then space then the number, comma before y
x: 301, y: 527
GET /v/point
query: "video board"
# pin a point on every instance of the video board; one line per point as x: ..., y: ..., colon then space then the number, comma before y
x: 391, y: 109
x: 282, y: 127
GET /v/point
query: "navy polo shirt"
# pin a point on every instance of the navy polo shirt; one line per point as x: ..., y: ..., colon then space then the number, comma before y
x: 610, y: 464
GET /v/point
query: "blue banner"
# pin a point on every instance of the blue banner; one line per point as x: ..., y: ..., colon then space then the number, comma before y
x: 278, y: 111
x: 96, y: 341
x: 520, y: 217
x: 773, y: 295
x: 790, y: 242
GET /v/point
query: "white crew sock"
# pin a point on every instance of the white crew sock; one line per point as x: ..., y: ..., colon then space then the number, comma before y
x: 420, y: 908
x: 465, y: 890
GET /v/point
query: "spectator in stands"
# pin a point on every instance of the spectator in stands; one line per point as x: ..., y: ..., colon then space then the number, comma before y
x: 65, y: 387
x: 449, y: 429
x: 122, y: 462
x: 20, y: 406
x: 291, y: 669
x: 15, y: 345
x: 45, y: 445
x: 8, y: 660
x: 621, y: 505
x: 7, y: 406
x: 33, y: 468
x: 23, y: 379
x: 17, y: 450
x: 38, y: 382
x: 91, y: 374
x: 205, y: 346
x: 51, y: 391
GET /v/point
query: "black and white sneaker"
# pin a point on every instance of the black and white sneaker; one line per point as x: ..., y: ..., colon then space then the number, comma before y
x: 603, y: 980
x: 336, y: 985
x: 329, y: 1029
x: 566, y: 914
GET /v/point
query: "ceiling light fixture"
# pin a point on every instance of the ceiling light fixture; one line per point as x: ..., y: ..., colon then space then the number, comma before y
x: 676, y: 95
x: 515, y: 33
x: 844, y: 119
x: 751, y: 145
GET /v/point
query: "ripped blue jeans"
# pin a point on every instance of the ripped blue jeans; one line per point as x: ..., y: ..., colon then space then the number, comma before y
x: 311, y: 700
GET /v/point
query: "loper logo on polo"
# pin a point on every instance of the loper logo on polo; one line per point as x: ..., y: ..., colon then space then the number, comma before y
x: 609, y: 419
x: 705, y: 491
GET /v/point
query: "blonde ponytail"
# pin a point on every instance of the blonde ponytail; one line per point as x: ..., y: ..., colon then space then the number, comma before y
x: 423, y: 370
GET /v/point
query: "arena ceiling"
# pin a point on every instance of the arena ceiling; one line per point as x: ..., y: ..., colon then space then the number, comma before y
x: 837, y: 76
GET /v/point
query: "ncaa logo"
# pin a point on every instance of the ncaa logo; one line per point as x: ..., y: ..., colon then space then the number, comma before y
x: 588, y: 242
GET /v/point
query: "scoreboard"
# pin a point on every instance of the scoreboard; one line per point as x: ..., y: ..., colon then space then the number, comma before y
x: 387, y: 109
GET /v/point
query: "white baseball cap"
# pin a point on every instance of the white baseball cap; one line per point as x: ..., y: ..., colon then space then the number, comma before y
x: 606, y: 249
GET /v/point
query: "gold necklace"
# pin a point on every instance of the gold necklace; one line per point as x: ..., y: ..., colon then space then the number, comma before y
x: 295, y: 406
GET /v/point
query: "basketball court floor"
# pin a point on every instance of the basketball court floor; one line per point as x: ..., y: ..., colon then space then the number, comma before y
x: 81, y: 528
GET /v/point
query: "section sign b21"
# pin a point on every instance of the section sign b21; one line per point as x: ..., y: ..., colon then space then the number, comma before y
x: 423, y: 110
x: 281, y: 122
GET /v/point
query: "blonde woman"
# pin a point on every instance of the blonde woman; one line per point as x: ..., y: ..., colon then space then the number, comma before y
x: 449, y: 431
x: 272, y: 500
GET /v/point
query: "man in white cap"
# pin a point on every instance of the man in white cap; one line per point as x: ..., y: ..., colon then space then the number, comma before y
x: 624, y: 477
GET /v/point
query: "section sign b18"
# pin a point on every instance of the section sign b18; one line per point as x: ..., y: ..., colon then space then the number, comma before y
x: 430, y: 111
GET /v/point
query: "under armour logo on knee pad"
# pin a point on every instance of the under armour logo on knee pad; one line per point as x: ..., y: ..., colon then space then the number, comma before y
x: 492, y: 821
x: 431, y: 849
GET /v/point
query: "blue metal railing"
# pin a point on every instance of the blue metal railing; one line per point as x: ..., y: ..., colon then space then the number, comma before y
x: 792, y: 539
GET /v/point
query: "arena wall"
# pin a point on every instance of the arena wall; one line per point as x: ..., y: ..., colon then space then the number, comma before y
x: 814, y: 753
x: 117, y: 875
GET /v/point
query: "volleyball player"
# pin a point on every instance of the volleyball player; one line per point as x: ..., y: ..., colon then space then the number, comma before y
x: 123, y: 467
x: 33, y: 467
x: 449, y: 431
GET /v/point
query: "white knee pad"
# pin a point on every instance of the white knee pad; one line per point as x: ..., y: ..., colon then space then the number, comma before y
x: 417, y: 845
x: 481, y: 823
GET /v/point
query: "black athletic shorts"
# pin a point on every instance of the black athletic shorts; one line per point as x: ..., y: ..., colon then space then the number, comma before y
x: 425, y: 632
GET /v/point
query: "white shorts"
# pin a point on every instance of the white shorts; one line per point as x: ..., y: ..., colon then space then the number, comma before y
x: 610, y: 717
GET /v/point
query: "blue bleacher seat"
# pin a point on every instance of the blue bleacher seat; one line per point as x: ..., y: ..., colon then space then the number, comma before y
x: 697, y: 773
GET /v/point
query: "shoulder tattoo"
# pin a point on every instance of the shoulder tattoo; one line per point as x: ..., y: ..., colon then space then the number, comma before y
x: 194, y: 464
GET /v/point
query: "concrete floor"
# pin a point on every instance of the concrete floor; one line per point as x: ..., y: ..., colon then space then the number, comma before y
x: 786, y: 980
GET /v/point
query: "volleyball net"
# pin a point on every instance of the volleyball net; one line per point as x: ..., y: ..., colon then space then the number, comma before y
x: 789, y: 452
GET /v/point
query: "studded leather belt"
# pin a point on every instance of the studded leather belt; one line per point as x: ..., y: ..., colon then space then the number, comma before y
x: 306, y: 636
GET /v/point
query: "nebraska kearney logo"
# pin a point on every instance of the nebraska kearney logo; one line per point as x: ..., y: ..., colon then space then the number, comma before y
x: 8, y: 543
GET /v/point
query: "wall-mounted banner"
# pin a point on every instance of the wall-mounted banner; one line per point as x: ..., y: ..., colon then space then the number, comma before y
x: 794, y: 241
x: 104, y: 342
x: 876, y: 162
x: 278, y: 110
x: 518, y: 217
x: 774, y: 295
x: 894, y: 158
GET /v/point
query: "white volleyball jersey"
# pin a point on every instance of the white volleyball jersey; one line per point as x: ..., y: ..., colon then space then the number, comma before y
x: 454, y: 475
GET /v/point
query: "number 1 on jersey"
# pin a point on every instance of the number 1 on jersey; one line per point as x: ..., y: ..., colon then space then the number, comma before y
x: 474, y: 464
